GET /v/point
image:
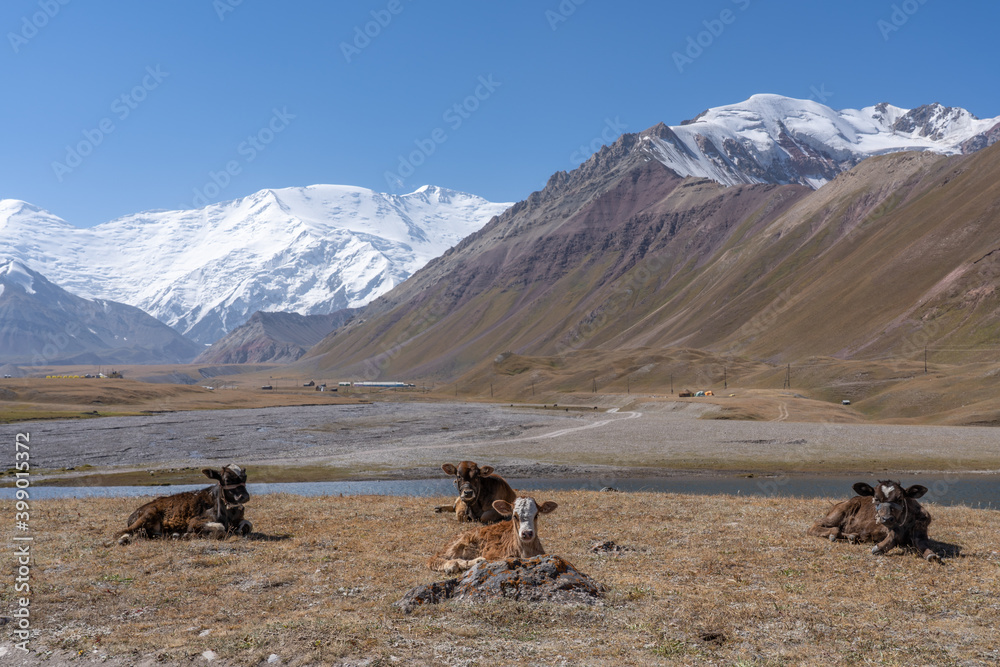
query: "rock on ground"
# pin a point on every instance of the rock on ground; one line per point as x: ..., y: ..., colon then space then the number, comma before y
x: 541, y: 578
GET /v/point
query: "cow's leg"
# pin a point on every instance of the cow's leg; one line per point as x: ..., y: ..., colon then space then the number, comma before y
x: 822, y: 529
x: 830, y: 526
x: 440, y: 564
x: 456, y: 565
x: 921, y: 544
x: 145, y: 524
x: 492, y: 516
x: 446, y: 508
x: 819, y: 530
x: 460, y: 555
x: 885, y: 545
x: 452, y: 566
x: 154, y: 527
x: 245, y: 528
x: 206, y: 527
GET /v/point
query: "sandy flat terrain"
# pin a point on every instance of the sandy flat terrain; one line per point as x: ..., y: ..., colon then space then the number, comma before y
x: 413, y: 439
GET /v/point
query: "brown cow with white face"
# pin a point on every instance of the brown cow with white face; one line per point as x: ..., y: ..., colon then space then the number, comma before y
x: 888, y: 514
x: 515, y: 538
x: 477, y: 488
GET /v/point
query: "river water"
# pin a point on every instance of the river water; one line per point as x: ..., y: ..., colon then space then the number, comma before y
x: 971, y: 490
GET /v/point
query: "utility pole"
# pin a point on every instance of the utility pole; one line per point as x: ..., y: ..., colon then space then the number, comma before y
x: 725, y: 378
x: 491, y: 390
x: 628, y: 386
x: 925, y: 360
x: 671, y: 384
x: 595, y: 385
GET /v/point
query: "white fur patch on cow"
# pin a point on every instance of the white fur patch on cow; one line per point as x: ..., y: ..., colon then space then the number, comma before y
x: 235, y: 468
x: 526, y: 509
x: 888, y: 489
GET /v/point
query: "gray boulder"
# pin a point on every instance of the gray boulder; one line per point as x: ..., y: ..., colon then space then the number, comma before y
x: 541, y: 578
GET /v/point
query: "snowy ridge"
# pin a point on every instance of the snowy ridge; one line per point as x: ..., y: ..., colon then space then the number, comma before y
x: 41, y: 323
x: 204, y: 272
x: 776, y: 139
x: 15, y: 273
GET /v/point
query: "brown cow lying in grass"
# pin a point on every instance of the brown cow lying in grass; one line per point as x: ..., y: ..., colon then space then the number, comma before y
x: 517, y: 537
x: 214, y: 512
x: 477, y: 489
x: 888, y: 514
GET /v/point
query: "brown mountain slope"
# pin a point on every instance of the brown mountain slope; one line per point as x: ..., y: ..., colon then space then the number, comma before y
x: 623, y: 254
x: 272, y: 338
x: 895, y: 256
x: 523, y: 282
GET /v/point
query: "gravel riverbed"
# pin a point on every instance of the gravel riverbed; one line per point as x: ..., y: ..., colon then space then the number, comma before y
x: 411, y: 440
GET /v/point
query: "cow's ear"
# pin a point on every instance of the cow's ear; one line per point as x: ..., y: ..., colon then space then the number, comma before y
x: 486, y: 471
x: 213, y: 474
x: 915, y: 491
x: 863, y: 489
x: 547, y: 507
x: 503, y: 507
x: 449, y: 469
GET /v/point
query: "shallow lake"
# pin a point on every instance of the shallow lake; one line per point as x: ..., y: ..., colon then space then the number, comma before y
x: 972, y: 490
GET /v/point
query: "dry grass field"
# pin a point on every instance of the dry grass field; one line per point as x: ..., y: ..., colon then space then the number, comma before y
x: 29, y: 399
x: 952, y: 392
x: 706, y: 580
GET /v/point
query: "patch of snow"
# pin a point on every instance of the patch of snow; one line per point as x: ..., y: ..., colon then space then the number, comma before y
x: 16, y: 273
x: 306, y: 250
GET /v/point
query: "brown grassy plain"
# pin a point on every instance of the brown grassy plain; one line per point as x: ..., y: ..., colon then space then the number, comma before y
x: 954, y: 390
x: 709, y: 580
x: 25, y: 399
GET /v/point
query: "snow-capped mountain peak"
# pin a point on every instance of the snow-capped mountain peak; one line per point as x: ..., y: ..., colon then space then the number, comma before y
x: 307, y: 250
x: 777, y: 139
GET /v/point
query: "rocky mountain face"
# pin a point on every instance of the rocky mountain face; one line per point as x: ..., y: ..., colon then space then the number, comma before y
x: 624, y: 253
x: 311, y: 250
x: 272, y: 338
x: 41, y: 323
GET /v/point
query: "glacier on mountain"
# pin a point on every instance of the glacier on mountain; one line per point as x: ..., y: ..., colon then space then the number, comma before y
x: 306, y: 250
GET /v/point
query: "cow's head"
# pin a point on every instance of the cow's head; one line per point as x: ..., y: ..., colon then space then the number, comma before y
x: 890, y: 498
x: 233, y: 481
x: 468, y: 478
x: 524, y: 511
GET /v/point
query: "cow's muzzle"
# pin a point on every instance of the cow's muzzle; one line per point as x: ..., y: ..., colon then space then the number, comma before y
x: 884, y: 512
x: 235, y: 494
x: 527, y: 535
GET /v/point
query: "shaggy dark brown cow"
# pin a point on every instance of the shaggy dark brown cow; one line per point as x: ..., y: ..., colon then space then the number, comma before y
x: 214, y: 512
x: 517, y: 537
x: 477, y: 489
x: 888, y: 515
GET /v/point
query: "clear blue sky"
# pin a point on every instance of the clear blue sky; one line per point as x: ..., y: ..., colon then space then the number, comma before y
x: 265, y: 95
